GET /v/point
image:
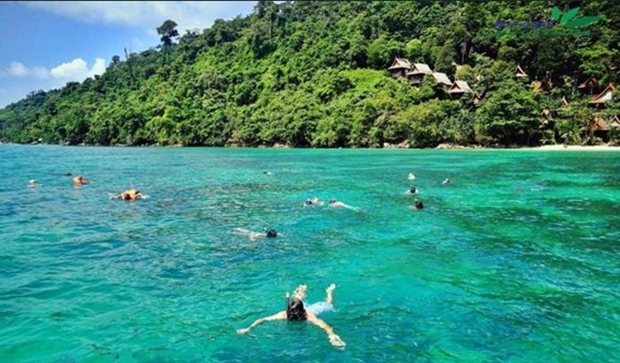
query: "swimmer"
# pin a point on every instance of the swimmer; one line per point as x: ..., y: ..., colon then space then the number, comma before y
x: 336, y: 204
x: 446, y: 182
x: 411, y: 176
x: 313, y: 201
x: 412, y: 190
x: 131, y: 194
x: 418, y: 204
x: 79, y: 180
x: 296, y: 310
x: 267, y: 173
x: 269, y: 233
x: 33, y: 184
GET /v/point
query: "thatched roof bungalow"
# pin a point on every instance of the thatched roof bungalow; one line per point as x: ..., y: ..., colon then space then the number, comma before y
x: 399, y: 67
x: 604, y: 96
x: 417, y: 72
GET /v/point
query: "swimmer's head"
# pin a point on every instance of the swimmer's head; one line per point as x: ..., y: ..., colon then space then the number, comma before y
x: 271, y: 233
x: 412, y: 190
x: 295, y: 310
x: 419, y: 204
x: 33, y: 181
x: 332, y: 201
x: 308, y: 202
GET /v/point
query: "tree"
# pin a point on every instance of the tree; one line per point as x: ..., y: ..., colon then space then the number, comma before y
x: 167, y: 31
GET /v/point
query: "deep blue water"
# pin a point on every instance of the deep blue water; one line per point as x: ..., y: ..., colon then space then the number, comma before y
x: 516, y: 261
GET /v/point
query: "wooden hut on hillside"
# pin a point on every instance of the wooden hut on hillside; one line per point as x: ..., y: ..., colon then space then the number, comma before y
x: 597, y: 127
x: 605, y: 96
x: 519, y: 72
x: 458, y: 89
x: 589, y: 85
x: 417, y: 72
x: 399, y: 67
x: 614, y: 122
x: 442, y: 78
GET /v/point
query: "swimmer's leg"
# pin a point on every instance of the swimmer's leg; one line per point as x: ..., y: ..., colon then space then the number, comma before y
x: 328, y: 294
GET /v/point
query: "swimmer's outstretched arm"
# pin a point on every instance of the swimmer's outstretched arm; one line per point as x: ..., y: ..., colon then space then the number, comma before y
x: 333, y: 338
x: 279, y: 316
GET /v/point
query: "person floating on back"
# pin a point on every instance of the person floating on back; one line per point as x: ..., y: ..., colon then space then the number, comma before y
x: 79, y: 180
x: 131, y: 194
x: 296, y: 310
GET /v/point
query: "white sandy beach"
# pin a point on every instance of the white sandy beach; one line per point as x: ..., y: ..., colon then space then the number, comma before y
x: 576, y: 148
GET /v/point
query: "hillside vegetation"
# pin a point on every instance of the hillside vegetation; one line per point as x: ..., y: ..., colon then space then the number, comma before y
x: 314, y: 74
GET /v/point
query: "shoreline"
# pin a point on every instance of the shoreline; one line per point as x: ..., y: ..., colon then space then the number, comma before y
x: 558, y: 147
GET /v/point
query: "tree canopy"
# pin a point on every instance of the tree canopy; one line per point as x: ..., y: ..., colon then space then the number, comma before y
x: 314, y: 74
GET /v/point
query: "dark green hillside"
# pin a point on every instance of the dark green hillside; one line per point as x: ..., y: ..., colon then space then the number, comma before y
x: 310, y: 73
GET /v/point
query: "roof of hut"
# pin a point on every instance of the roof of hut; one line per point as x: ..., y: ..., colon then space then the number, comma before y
x: 597, y: 123
x: 590, y: 82
x: 419, y: 68
x: 442, y: 78
x: 606, y: 95
x: 400, y: 63
x: 520, y: 72
x: 460, y: 87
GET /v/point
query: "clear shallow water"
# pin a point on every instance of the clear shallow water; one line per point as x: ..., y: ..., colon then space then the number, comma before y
x: 517, y: 261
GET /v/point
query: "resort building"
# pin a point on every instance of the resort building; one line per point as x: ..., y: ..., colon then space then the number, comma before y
x: 459, y: 88
x: 605, y: 96
x: 399, y: 67
x: 614, y: 122
x: 417, y: 72
x: 589, y: 85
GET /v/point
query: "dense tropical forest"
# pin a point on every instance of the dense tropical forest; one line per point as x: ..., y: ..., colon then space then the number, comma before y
x: 315, y: 74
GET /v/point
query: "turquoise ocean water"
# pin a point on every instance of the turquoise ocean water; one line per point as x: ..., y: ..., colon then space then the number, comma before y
x: 517, y: 261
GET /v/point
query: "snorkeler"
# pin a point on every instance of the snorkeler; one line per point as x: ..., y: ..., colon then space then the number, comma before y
x: 131, y: 194
x: 313, y: 201
x: 269, y: 233
x: 297, y: 311
x: 79, y: 180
